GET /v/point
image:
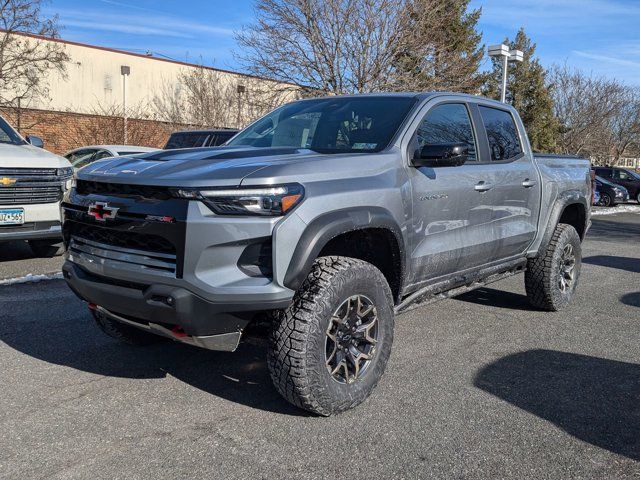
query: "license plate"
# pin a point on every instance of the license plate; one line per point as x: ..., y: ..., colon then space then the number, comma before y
x: 13, y: 216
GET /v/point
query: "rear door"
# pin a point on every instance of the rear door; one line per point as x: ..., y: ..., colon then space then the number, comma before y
x: 514, y: 181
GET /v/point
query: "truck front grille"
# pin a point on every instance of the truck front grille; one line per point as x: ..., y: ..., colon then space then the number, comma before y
x: 24, y: 186
x: 85, y: 187
x: 25, y: 195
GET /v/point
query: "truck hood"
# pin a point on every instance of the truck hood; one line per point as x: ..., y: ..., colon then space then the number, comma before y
x: 194, y: 167
x: 28, y: 156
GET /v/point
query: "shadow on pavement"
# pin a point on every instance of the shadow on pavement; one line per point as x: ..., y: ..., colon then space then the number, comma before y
x: 496, y: 298
x: 74, y: 341
x: 594, y: 399
x: 614, y: 261
x: 12, y: 251
x: 633, y: 300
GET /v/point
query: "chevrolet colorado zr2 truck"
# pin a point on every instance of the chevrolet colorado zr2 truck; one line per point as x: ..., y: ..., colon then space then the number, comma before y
x: 32, y: 182
x: 330, y: 215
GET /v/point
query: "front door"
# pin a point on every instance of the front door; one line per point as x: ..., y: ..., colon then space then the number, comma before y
x: 450, y: 212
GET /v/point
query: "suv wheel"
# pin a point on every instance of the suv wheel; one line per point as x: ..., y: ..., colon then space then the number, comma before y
x: 125, y: 333
x: 329, y: 349
x: 552, y: 277
x: 46, y: 248
x: 638, y: 197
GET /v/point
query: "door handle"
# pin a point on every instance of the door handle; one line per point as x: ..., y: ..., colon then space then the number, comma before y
x: 528, y: 183
x: 483, y: 186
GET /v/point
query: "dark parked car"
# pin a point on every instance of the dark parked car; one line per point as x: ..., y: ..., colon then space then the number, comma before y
x: 610, y: 193
x: 622, y: 176
x: 199, y: 138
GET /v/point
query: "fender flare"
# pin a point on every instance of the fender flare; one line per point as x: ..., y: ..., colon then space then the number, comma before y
x: 328, y: 226
x: 572, y: 197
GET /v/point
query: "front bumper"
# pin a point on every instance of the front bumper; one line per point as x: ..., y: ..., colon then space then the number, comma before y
x: 32, y: 231
x: 42, y: 221
x: 165, y: 308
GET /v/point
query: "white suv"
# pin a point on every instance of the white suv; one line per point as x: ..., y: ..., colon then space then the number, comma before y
x: 32, y: 182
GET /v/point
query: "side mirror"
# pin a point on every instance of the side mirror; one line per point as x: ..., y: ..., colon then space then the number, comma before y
x: 441, y: 155
x: 35, y: 141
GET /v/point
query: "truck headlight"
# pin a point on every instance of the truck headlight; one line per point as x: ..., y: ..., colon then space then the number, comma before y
x: 262, y: 201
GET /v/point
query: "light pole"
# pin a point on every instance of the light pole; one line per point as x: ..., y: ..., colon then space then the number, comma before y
x: 125, y: 71
x: 502, y: 52
x: 241, y: 89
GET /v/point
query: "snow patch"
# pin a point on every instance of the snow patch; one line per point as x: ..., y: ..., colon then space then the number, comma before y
x: 614, y: 210
x: 31, y: 278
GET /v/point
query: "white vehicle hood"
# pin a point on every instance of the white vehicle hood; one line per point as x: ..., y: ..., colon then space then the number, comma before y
x: 28, y: 156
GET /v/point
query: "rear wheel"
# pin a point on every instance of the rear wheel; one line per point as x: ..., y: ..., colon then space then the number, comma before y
x: 552, y: 277
x: 605, y: 200
x: 46, y: 248
x: 638, y: 197
x: 329, y: 349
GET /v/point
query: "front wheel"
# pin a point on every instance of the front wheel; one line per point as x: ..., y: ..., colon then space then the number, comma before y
x: 551, y: 278
x: 46, y: 248
x: 329, y: 349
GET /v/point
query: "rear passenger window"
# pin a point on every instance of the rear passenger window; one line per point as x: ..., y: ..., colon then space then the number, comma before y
x: 447, y: 123
x: 504, y: 143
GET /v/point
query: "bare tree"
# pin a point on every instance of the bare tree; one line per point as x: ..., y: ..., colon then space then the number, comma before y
x: 586, y: 107
x: 347, y: 46
x: 104, y: 125
x: 26, y: 61
x: 622, y: 134
x: 204, y: 97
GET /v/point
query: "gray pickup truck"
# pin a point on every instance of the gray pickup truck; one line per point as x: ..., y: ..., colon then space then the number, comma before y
x: 327, y: 216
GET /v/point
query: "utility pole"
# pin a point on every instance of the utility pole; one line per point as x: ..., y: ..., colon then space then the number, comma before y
x: 125, y: 71
x: 507, y: 56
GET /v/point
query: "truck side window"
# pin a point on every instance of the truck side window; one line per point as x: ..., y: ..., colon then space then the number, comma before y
x: 502, y: 133
x: 447, y: 123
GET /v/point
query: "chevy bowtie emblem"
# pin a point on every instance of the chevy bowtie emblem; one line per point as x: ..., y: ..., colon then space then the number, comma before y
x: 6, y: 181
x: 101, y: 211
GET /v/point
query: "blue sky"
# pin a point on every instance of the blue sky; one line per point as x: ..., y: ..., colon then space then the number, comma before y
x: 599, y: 36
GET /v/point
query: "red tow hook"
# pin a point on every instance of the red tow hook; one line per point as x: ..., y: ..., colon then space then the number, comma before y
x: 178, y: 332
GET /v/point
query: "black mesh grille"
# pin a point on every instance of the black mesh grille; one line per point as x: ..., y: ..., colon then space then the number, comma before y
x: 85, y: 187
x: 137, y: 241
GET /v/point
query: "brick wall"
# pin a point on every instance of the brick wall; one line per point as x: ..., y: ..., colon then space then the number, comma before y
x: 64, y: 131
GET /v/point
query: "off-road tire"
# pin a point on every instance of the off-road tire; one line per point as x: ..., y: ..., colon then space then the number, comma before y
x: 297, y: 344
x: 46, y: 248
x: 125, y: 333
x: 542, y: 277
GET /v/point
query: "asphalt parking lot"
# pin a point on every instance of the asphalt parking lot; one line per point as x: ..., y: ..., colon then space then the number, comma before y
x: 480, y: 386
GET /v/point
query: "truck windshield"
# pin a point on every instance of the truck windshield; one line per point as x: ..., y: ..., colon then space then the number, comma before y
x: 330, y: 125
x: 9, y: 135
